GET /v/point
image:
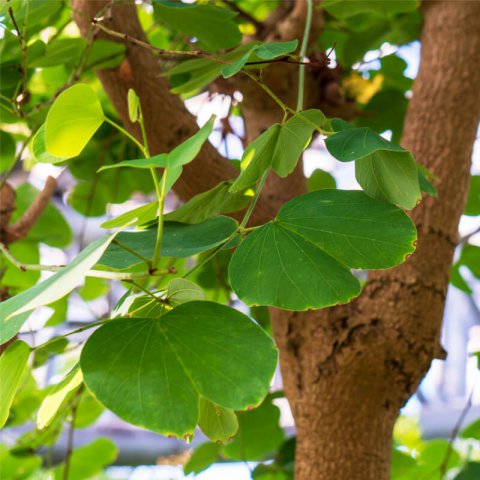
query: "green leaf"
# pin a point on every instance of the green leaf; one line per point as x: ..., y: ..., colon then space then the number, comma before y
x: 473, y: 200
x: 434, y: 454
x: 198, y: 349
x: 93, y: 288
x: 319, y: 180
x: 214, y: 27
x: 302, y: 259
x: 179, y: 156
x: 72, y: 120
x: 12, y: 365
x: 62, y: 51
x: 7, y: 151
x: 105, y: 54
x: 135, y: 217
x: 50, y: 290
x: 390, y: 176
x: 87, y: 461
x: 39, y: 151
x: 208, y: 204
x: 219, y: 424
x: 43, y: 354
x: 18, y: 465
x: 259, y: 433
x: 355, y: 143
x: 13, y: 278
x: 133, y: 105
x: 471, y: 471
x: 348, y: 8
x: 424, y: 177
x: 279, y: 147
x: 179, y: 240
x: 57, y: 398
x: 263, y: 51
x: 50, y: 228
x: 182, y: 291
x: 472, y: 430
x: 203, y: 456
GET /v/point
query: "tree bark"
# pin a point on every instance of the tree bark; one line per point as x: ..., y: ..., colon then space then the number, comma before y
x: 349, y: 370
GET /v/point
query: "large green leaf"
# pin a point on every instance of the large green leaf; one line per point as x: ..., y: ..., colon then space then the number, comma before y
x: 12, y: 365
x: 57, y: 397
x: 179, y: 240
x: 384, y: 170
x: 214, y: 27
x: 217, y: 423
x: 278, y: 147
x: 72, y: 120
x: 179, y: 156
x: 302, y: 259
x: 151, y: 372
x: 50, y: 290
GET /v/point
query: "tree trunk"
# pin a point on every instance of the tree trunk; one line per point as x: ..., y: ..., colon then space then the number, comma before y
x: 349, y: 370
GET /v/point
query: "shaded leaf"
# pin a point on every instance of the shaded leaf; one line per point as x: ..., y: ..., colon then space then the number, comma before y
x: 217, y: 423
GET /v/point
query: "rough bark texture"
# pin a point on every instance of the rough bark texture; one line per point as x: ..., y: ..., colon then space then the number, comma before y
x: 348, y: 370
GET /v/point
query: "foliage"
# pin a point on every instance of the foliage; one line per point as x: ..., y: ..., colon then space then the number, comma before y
x: 174, y: 339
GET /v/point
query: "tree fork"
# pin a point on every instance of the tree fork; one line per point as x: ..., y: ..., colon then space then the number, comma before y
x: 349, y: 370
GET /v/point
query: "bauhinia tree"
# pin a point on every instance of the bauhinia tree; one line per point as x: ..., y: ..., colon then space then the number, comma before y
x: 173, y: 353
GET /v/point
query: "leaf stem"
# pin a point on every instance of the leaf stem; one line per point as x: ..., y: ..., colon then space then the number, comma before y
x: 303, y: 52
x: 128, y: 135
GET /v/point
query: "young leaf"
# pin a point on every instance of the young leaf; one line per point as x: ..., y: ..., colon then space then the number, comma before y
x: 51, y: 289
x: 133, y: 105
x: 172, y: 361
x: 57, y: 397
x: 279, y: 147
x: 12, y: 365
x: 72, y: 120
x: 219, y: 424
x: 179, y: 240
x: 302, y: 259
x: 182, y: 291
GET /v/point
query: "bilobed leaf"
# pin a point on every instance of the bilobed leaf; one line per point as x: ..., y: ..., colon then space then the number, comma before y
x: 214, y: 27
x: 278, y: 147
x: 88, y: 460
x: 302, y: 259
x: 72, y: 120
x: 57, y: 397
x: 208, y: 204
x: 135, y: 365
x: 219, y: 424
x: 181, y: 291
x: 12, y: 365
x: 259, y: 433
x: 51, y: 289
x: 179, y: 240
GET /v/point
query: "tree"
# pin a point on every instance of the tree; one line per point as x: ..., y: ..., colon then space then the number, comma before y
x: 348, y: 368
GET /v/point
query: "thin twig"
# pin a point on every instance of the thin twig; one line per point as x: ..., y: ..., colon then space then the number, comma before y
x: 467, y: 237
x: 444, y: 465
x: 71, y: 431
